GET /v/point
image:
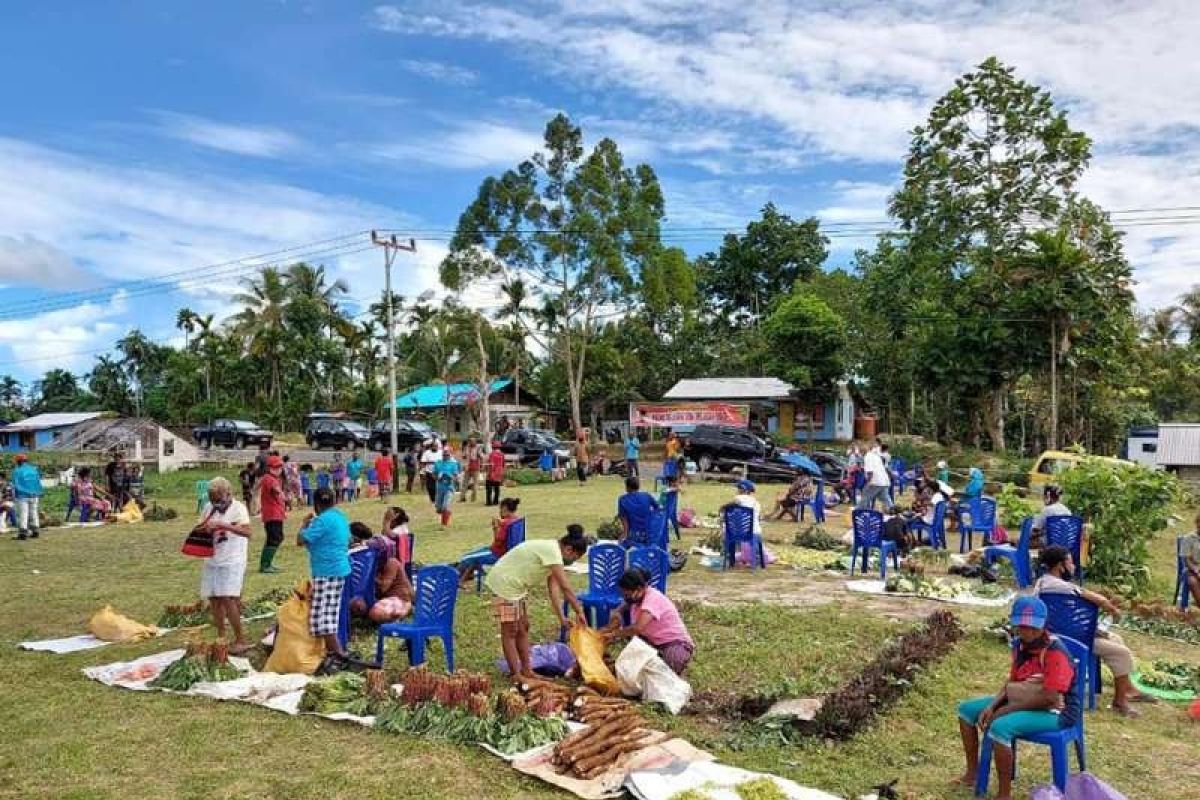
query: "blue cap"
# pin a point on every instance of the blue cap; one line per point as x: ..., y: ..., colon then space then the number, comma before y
x: 1029, y: 612
x: 745, y: 485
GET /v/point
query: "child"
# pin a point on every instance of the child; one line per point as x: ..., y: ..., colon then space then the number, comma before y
x: 246, y: 479
x: 325, y: 532
x: 395, y: 528
x: 410, y: 468
x: 472, y: 562
x: 668, y: 498
x: 291, y: 479
x: 527, y: 566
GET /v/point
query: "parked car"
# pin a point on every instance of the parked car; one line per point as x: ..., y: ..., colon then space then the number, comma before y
x: 709, y: 444
x: 833, y: 466
x: 1052, y: 463
x: 232, y: 433
x: 409, y: 432
x: 528, y: 445
x: 339, y: 434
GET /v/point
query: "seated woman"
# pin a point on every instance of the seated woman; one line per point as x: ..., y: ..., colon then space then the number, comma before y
x: 473, y: 561
x: 395, y: 530
x: 88, y: 495
x: 788, y: 503
x: 654, y: 618
x: 393, y: 590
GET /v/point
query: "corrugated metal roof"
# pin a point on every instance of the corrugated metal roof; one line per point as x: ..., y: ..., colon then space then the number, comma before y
x: 43, y: 422
x: 1179, y: 444
x: 435, y: 395
x: 729, y: 389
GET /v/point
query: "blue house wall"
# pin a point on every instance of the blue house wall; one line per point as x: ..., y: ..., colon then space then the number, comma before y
x: 12, y: 442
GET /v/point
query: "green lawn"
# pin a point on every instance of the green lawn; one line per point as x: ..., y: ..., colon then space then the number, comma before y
x: 64, y: 736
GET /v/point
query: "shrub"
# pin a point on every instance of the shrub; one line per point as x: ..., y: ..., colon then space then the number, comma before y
x: 1127, y: 506
x: 527, y: 477
x: 610, y: 530
x: 1012, y: 508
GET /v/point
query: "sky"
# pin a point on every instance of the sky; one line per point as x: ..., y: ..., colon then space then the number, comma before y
x: 154, y: 152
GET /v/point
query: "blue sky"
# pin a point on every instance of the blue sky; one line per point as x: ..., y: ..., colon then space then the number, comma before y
x: 142, y: 139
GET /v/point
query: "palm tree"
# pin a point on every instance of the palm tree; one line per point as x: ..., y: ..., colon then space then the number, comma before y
x: 108, y: 383
x: 1161, y: 328
x: 262, y: 323
x: 185, y: 320
x: 11, y: 393
x: 1189, y: 313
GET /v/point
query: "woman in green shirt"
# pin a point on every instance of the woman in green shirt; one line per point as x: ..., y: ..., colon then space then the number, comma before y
x: 520, y: 571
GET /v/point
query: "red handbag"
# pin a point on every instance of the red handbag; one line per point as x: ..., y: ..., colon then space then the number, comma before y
x: 199, y: 542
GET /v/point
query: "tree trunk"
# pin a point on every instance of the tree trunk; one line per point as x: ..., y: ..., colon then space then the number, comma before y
x: 1053, y: 438
x: 993, y: 418
x: 484, y: 384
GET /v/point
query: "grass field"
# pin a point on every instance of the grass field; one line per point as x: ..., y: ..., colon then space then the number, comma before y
x: 66, y: 737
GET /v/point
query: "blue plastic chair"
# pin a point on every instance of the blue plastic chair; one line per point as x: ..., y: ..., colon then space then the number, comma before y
x: 1067, y: 532
x: 982, y: 511
x: 655, y: 535
x: 655, y: 561
x: 515, y: 536
x: 1071, y: 615
x: 738, y: 524
x: 1183, y: 592
x: 436, y: 593
x: 1057, y: 740
x: 359, y: 584
x: 868, y: 534
x: 899, y: 468
x: 201, y: 495
x: 1018, y: 556
x: 817, y: 503
x: 606, y: 564
x: 324, y: 480
x: 671, y: 506
x: 306, y: 488
x: 936, y: 529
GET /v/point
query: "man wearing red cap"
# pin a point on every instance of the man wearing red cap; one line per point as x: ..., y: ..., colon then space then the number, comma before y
x: 273, y: 502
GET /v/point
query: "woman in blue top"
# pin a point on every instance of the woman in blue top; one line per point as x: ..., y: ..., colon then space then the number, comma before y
x: 974, y: 484
x: 325, y: 532
x: 445, y: 474
x: 633, y: 451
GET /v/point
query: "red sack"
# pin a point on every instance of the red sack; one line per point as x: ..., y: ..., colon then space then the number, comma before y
x: 199, y: 541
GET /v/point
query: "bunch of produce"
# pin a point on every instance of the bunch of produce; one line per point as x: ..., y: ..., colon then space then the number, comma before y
x: 524, y: 733
x: 344, y: 692
x: 930, y: 557
x: 377, y: 686
x: 803, y: 558
x: 510, y: 705
x: 815, y: 538
x: 1172, y: 676
x: 201, y: 663
x: 545, y: 698
x: 454, y: 690
x: 941, y: 589
x: 184, y: 616
x: 266, y: 604
x: 420, y: 685
x: 759, y: 789
x: 435, y: 720
x: 1167, y: 629
x: 882, y: 681
x: 591, y: 708
x: 588, y: 753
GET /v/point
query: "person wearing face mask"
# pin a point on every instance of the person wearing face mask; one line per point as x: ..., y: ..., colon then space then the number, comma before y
x: 520, y: 571
x: 654, y: 618
x: 222, y: 575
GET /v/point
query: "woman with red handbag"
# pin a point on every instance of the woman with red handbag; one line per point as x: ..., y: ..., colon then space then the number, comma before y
x: 221, y: 578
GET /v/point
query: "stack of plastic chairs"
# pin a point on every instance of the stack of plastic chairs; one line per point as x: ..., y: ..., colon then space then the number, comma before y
x: 1057, y: 740
x: 436, y: 593
x: 738, y: 524
x: 514, y: 536
x: 868, y: 535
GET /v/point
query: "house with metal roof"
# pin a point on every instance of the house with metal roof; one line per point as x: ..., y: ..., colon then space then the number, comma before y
x: 459, y: 403
x: 772, y: 406
x: 1179, y: 450
x: 41, y: 431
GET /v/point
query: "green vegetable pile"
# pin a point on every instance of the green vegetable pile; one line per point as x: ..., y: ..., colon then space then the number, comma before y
x: 183, y: 616
x: 690, y: 794
x: 267, y: 603
x: 344, y: 692
x: 201, y: 664
x: 1172, y: 676
x: 1166, y: 628
x: 939, y: 589
x: 815, y: 538
x: 760, y: 789
x: 459, y: 726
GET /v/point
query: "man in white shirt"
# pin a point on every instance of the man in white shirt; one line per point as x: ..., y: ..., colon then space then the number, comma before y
x: 878, y: 480
x: 222, y: 575
x: 1054, y: 507
x: 429, y: 458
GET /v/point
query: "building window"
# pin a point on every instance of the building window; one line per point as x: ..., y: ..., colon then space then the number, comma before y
x: 168, y: 447
x: 1149, y: 447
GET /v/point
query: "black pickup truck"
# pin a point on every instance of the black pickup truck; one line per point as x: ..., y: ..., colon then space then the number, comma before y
x: 232, y: 433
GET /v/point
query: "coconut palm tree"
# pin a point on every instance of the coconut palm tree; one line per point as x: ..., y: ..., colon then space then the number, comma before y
x: 185, y: 320
x: 1189, y: 313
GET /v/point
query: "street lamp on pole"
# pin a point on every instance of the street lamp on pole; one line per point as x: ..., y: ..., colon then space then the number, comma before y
x: 390, y: 248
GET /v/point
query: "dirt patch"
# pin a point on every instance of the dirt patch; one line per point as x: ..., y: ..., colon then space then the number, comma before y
x: 720, y: 705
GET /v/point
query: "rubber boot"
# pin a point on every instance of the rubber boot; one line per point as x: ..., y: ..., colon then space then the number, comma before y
x: 264, y: 563
x: 445, y: 519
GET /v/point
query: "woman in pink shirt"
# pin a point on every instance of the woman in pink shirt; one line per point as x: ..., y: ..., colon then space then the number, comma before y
x: 655, y: 620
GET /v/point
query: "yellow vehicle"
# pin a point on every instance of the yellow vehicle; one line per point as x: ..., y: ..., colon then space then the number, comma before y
x: 1051, y: 463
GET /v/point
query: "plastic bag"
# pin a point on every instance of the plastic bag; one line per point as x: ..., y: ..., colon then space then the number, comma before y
x: 642, y: 673
x: 687, y: 518
x: 130, y: 513
x: 109, y: 626
x: 1081, y: 786
x: 296, y: 650
x: 552, y: 660
x: 588, y: 646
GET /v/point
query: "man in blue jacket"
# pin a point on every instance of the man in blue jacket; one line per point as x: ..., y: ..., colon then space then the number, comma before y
x: 27, y: 489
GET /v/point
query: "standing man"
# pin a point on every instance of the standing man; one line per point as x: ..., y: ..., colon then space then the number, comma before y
x: 877, y: 480
x: 582, y: 457
x: 429, y: 458
x: 473, y: 457
x: 1189, y: 550
x: 383, y: 473
x: 273, y: 502
x: 325, y: 532
x: 410, y: 468
x: 114, y: 479
x: 633, y: 451
x: 27, y: 489
x: 354, y: 471
x: 223, y: 575
x: 495, y: 475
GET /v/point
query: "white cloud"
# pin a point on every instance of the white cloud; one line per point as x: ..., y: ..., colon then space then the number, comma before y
x: 65, y: 339
x: 245, y: 140
x: 469, y: 145
x: 28, y: 261
x: 441, y: 71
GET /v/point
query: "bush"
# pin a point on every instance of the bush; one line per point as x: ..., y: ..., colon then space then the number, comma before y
x: 1012, y: 508
x: 610, y: 530
x: 1127, y: 506
x: 905, y: 449
x: 524, y: 476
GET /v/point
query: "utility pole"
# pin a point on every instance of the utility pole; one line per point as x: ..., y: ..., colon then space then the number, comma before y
x: 390, y: 248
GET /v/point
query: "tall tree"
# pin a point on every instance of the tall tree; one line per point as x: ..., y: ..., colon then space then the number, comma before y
x: 58, y: 390
x: 578, y: 226
x: 12, y: 398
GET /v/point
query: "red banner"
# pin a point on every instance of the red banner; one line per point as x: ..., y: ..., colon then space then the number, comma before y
x: 668, y: 415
